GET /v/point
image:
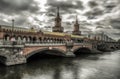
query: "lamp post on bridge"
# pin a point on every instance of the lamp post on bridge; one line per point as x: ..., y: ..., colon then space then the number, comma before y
x: 13, y: 26
x: 12, y: 34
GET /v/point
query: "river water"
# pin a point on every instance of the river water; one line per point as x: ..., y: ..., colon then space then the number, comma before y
x: 104, y: 66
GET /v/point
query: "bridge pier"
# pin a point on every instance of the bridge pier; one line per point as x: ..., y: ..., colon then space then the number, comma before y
x: 69, y: 52
x: 14, y: 60
x: 9, y: 57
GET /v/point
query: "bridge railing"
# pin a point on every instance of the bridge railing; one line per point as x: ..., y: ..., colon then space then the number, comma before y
x: 83, y: 43
x: 43, y: 43
x: 22, y: 43
x: 10, y: 44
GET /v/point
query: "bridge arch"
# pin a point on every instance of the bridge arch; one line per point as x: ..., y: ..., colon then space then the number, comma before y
x: 2, y: 59
x: 82, y: 50
x: 46, y: 51
x: 112, y: 48
x: 7, y: 37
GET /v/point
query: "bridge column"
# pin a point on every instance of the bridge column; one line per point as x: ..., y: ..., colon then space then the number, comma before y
x: 12, y: 56
x: 69, y: 52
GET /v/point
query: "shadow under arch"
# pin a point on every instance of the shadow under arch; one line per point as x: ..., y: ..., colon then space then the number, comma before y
x: 46, y: 51
x: 2, y: 59
x: 81, y: 51
x: 112, y: 47
x: 117, y: 47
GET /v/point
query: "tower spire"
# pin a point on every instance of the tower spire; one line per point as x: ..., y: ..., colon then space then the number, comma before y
x: 58, y: 27
x: 76, y: 20
x: 58, y: 15
x: 76, y: 30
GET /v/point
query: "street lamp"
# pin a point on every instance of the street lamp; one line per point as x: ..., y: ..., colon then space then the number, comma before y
x: 12, y: 34
x: 13, y: 26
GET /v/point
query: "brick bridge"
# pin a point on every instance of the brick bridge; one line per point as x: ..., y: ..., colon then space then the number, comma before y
x: 17, y: 48
x: 18, y: 54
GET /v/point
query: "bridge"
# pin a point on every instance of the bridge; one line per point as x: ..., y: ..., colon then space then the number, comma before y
x: 18, y: 44
x: 17, y: 48
x: 18, y: 54
x: 28, y: 44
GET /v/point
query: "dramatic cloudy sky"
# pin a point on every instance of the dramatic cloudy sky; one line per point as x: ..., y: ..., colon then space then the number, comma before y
x: 95, y: 16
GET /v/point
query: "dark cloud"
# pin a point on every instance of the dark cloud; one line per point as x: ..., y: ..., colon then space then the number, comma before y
x: 92, y: 4
x: 98, y: 8
x: 65, y: 6
x: 94, y: 13
x: 25, y: 11
x: 118, y: 34
x: 71, y: 17
x: 16, y: 6
x: 109, y: 7
x: 51, y: 14
x: 99, y: 27
x: 20, y: 21
x: 115, y: 23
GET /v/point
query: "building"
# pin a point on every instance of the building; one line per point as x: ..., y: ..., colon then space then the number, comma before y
x: 76, y: 28
x: 58, y: 27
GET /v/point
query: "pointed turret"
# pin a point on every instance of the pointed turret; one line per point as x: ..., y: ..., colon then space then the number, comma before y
x: 57, y: 27
x: 58, y: 15
x: 76, y: 27
x: 76, y: 20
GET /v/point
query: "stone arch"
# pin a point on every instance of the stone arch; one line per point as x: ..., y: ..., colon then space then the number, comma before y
x: 3, y: 59
x: 117, y: 47
x: 34, y: 39
x: 112, y: 47
x: 7, y: 30
x: 82, y: 50
x: 19, y: 39
x: 44, y: 39
x: 3, y: 29
x: 49, y: 40
x: 13, y: 36
x: 53, y: 51
x: 7, y: 37
x: 30, y: 39
x: 60, y: 40
x: 40, y: 39
x: 24, y: 39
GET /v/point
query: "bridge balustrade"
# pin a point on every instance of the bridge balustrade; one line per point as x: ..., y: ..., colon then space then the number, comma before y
x: 83, y: 44
x: 11, y: 43
x: 43, y: 44
x: 21, y: 43
x: 46, y: 43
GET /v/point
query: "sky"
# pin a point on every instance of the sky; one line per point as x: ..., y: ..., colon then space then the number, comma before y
x: 95, y: 16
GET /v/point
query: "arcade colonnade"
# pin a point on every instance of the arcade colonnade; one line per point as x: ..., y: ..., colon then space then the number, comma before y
x: 33, y: 39
x: 39, y: 39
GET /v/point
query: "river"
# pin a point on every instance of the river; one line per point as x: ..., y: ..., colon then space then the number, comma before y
x: 102, y: 66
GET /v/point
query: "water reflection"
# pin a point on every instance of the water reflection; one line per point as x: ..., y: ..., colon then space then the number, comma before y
x: 106, y: 66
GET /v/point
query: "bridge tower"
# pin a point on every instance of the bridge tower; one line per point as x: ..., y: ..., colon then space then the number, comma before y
x: 57, y: 27
x: 76, y: 28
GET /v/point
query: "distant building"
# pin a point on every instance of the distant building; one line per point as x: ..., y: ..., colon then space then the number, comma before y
x: 58, y: 27
x: 76, y: 28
